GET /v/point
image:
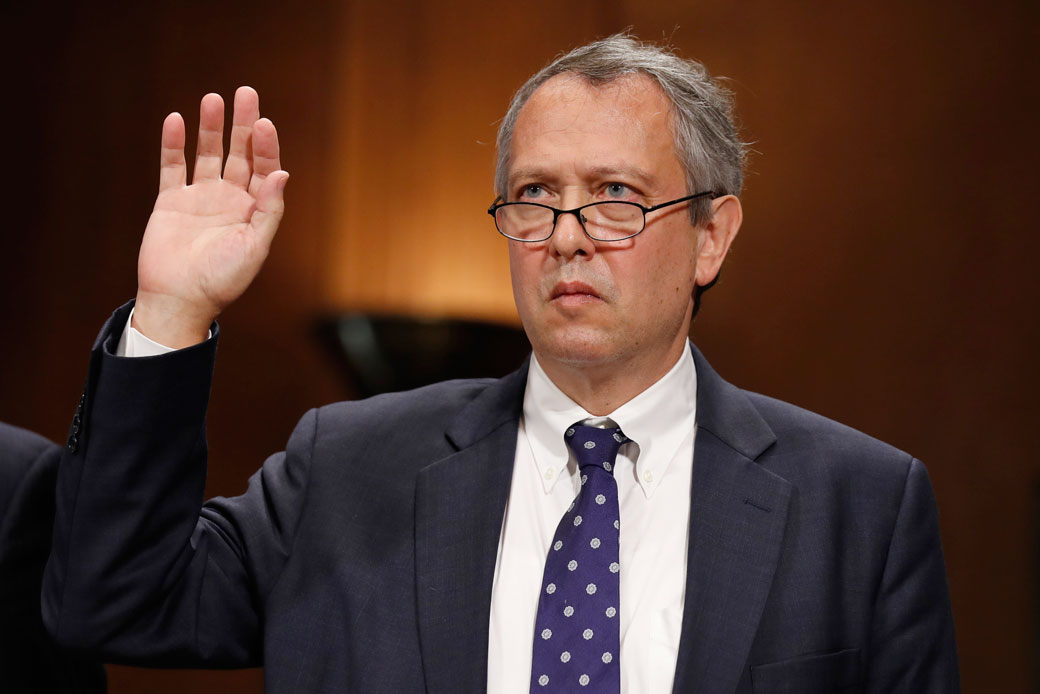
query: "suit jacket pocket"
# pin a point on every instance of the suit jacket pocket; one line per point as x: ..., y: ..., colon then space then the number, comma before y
x: 814, y: 674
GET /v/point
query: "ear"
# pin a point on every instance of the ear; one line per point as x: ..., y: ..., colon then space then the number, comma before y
x: 716, y: 235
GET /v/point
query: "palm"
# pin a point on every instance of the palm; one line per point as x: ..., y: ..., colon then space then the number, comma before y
x: 205, y: 242
x: 199, y: 244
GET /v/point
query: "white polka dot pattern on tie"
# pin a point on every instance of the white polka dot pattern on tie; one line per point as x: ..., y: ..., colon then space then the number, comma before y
x: 614, y: 567
x: 581, y: 589
x: 543, y: 680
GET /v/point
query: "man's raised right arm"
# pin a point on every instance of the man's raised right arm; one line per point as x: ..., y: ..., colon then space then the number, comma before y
x: 140, y: 570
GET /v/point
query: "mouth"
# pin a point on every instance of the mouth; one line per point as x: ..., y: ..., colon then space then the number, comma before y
x: 573, y: 293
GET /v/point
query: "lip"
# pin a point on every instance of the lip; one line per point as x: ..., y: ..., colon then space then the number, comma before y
x: 573, y: 291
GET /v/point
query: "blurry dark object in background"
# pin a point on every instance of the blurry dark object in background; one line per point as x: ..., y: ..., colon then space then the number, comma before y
x: 382, y: 353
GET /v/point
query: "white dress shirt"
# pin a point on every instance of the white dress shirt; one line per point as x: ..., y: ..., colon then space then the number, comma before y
x: 653, y: 473
x: 134, y: 343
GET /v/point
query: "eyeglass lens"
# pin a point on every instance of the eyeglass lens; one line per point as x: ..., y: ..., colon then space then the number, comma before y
x: 605, y: 221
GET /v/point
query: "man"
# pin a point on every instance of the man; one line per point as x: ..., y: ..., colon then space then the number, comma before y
x: 30, y: 663
x: 612, y: 517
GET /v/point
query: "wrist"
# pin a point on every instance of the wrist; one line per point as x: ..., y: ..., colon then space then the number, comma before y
x: 171, y: 322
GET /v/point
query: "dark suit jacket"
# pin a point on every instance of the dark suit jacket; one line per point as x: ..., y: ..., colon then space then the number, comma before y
x: 30, y: 663
x: 361, y: 559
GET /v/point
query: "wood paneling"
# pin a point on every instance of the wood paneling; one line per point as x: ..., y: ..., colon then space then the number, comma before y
x: 420, y: 89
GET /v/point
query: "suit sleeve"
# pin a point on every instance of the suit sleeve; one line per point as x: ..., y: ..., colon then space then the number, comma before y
x: 140, y: 570
x: 912, y: 642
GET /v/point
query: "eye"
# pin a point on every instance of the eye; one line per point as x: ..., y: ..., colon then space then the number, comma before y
x: 618, y: 191
x: 532, y: 190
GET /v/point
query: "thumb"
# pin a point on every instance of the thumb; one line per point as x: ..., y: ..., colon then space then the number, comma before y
x: 270, y: 205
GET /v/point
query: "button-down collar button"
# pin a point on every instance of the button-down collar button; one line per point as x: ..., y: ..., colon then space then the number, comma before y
x: 549, y: 474
x: 648, y: 476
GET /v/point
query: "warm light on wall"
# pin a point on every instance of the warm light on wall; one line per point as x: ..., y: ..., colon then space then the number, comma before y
x: 414, y: 151
x: 409, y: 233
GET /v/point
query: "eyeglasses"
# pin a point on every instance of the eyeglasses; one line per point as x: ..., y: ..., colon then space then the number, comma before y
x: 611, y: 220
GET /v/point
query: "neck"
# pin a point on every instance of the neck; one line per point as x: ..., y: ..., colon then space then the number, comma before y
x: 601, y: 388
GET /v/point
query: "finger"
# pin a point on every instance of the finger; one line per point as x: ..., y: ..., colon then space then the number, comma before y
x: 210, y: 150
x: 239, y: 166
x: 172, y: 169
x: 270, y: 205
x: 266, y: 159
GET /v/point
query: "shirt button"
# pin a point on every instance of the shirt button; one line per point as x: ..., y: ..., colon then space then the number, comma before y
x: 648, y: 476
x: 549, y: 474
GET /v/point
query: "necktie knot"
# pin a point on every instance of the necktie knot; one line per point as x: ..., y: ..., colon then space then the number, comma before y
x: 593, y: 446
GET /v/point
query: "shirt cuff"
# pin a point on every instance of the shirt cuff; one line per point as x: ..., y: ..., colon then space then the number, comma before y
x: 134, y: 343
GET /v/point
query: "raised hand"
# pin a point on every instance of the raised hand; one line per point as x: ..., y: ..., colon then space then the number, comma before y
x: 205, y: 242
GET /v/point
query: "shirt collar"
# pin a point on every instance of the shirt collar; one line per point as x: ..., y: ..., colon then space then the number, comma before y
x: 658, y: 420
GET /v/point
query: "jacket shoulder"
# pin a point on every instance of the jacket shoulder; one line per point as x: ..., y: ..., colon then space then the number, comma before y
x: 21, y: 446
x: 19, y: 449
x: 818, y: 447
x: 421, y: 412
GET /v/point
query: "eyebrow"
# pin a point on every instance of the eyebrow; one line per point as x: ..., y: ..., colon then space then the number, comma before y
x: 598, y: 172
x: 633, y: 172
x: 521, y: 174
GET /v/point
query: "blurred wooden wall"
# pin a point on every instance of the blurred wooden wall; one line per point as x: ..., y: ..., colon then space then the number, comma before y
x: 884, y: 276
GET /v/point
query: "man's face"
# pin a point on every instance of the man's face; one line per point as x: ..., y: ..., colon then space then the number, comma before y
x: 588, y: 304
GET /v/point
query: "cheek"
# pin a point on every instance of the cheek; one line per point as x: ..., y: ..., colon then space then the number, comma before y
x: 523, y: 273
x: 669, y: 274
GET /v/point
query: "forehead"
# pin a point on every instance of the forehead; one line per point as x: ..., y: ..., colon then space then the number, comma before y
x: 570, y: 124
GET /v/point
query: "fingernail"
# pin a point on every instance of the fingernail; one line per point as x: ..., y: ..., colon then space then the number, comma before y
x: 282, y: 182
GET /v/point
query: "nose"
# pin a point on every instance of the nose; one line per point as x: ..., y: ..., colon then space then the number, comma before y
x: 569, y: 238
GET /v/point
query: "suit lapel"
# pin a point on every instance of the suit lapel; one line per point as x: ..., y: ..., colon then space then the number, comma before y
x: 738, y: 512
x: 459, y: 506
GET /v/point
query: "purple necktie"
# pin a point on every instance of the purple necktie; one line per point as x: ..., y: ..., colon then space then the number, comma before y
x: 577, y: 637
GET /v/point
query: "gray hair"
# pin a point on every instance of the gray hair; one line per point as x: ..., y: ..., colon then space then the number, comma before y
x: 703, y: 128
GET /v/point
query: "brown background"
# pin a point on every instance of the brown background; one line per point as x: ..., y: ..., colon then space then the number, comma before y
x: 884, y: 275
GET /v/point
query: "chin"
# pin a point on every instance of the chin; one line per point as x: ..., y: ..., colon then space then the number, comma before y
x: 575, y: 347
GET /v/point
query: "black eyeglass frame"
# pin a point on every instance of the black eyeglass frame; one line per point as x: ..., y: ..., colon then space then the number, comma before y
x: 497, y: 205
